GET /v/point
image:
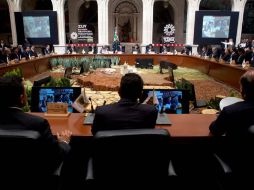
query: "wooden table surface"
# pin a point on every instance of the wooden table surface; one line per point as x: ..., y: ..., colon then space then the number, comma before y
x: 183, y: 125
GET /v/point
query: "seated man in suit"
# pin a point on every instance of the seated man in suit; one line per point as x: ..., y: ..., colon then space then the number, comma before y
x: 47, y: 50
x: 12, y: 99
x: 136, y: 49
x: 92, y: 49
x: 235, y: 119
x: 128, y: 113
x: 32, y: 52
x: 236, y: 122
x: 150, y: 49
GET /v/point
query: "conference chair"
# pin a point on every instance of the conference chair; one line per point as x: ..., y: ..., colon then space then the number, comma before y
x: 22, y: 162
x: 68, y: 72
x: 146, y: 63
x: 166, y: 65
x: 236, y: 157
x: 130, y: 156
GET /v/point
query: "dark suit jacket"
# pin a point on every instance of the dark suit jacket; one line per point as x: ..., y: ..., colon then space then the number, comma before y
x: 236, y: 147
x: 125, y: 114
x: 53, y: 152
x: 234, y: 120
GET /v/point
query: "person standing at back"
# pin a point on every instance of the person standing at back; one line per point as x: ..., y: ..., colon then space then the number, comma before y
x: 128, y: 113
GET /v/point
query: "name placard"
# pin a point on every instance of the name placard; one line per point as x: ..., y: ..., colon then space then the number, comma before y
x: 57, y: 109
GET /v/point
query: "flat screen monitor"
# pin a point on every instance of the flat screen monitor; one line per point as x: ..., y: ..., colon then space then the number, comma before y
x: 42, y: 81
x: 187, y: 85
x: 214, y: 27
x: 167, y: 100
x: 38, y: 27
x: 42, y: 95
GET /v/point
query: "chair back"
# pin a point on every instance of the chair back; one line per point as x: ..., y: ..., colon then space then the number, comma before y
x: 131, y: 154
x: 20, y: 153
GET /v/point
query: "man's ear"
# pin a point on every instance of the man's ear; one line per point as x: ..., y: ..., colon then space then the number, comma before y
x: 23, y: 100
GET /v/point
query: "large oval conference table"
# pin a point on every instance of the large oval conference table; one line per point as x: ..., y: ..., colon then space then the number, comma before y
x: 184, y: 125
x: 222, y: 72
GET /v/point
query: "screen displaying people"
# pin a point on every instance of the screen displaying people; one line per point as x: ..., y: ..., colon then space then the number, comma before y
x: 55, y: 95
x: 166, y: 101
x: 36, y: 26
x: 215, y: 26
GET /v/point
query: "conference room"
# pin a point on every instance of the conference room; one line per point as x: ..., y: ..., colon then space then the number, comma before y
x: 191, y: 60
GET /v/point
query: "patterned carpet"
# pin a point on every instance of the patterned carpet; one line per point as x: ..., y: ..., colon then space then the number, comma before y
x: 206, y: 88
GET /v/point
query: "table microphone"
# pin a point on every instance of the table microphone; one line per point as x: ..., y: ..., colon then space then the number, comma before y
x: 104, y: 103
x: 92, y: 109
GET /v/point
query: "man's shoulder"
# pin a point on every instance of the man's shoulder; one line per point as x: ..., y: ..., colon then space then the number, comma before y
x: 239, y: 107
x: 106, y: 107
x: 147, y: 106
x: 31, y: 118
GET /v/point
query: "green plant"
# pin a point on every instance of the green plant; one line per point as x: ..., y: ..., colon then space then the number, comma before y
x: 54, y: 62
x: 14, y: 72
x: 58, y: 82
x: 214, y: 103
x: 234, y: 93
x: 28, y: 87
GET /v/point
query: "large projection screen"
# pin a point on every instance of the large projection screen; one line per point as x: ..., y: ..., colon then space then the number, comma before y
x: 39, y: 27
x: 213, y: 27
x: 36, y: 26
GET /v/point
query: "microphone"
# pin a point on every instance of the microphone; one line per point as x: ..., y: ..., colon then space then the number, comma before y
x: 92, y: 109
x: 104, y: 103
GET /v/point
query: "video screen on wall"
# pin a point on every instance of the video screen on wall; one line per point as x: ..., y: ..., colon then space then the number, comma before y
x: 213, y: 27
x: 39, y: 27
x: 36, y: 26
x: 216, y: 26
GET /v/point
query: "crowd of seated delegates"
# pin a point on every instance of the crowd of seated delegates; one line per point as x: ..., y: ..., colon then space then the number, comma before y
x: 8, y: 53
x: 243, y: 53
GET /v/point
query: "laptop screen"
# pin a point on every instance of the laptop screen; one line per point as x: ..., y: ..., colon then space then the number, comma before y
x: 42, y: 95
x: 167, y: 100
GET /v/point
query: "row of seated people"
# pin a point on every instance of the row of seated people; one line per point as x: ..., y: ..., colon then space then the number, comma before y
x: 234, y: 55
x: 150, y: 49
x: 18, y: 53
x: 233, y: 121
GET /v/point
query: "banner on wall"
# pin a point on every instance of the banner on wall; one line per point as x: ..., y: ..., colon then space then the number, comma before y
x: 83, y: 34
x: 168, y: 34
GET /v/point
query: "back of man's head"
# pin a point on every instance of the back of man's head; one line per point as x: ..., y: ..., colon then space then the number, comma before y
x: 247, y: 85
x: 131, y: 86
x: 11, y: 90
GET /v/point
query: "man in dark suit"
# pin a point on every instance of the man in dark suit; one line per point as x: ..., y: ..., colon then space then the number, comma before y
x: 128, y: 113
x: 234, y: 120
x: 12, y: 99
x: 32, y: 52
x: 47, y: 50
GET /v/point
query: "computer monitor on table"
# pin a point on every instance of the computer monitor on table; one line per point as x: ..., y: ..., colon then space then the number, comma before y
x: 42, y: 81
x: 42, y: 95
x: 187, y: 85
x: 167, y: 101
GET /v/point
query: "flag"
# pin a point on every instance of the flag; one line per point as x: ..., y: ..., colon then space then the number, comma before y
x: 115, y: 34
